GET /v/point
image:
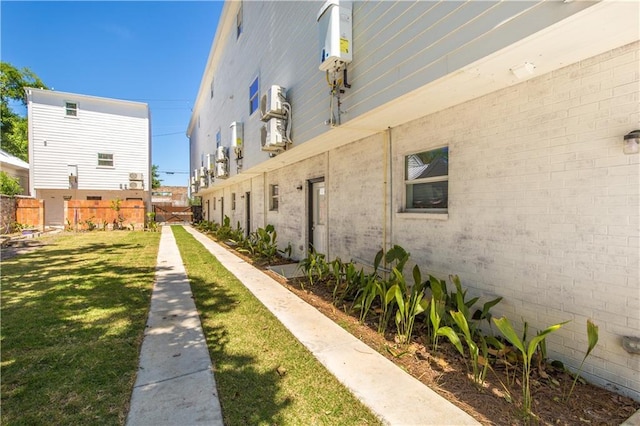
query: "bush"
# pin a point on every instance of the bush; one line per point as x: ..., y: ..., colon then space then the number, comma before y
x: 9, y: 186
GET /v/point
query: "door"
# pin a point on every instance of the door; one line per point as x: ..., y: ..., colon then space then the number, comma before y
x: 318, y: 216
x: 247, y: 197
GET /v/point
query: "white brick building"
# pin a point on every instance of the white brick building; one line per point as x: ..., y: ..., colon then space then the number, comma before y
x: 86, y: 148
x: 523, y: 104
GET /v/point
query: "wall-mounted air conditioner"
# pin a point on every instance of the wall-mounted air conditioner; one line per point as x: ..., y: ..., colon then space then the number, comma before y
x: 134, y: 184
x: 135, y: 176
x: 221, y: 154
x: 222, y: 170
x: 193, y: 180
x: 196, y: 173
x: 272, y: 135
x: 271, y: 103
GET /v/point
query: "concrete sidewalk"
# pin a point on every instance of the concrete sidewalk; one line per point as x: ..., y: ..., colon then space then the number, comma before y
x: 175, y: 383
x: 393, y: 395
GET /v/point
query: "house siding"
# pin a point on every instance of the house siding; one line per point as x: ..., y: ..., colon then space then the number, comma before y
x: 57, y: 141
x: 543, y: 205
x: 398, y: 47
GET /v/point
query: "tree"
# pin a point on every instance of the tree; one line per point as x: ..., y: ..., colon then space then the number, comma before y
x: 13, y: 126
x: 9, y: 185
x: 156, y: 182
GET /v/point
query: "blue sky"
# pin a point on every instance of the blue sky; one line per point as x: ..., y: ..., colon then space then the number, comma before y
x: 149, y: 51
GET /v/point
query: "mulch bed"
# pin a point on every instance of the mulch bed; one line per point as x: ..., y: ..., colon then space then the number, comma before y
x: 498, y: 402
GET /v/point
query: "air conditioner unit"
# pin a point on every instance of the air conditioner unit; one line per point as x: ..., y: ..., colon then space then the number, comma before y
x: 196, y: 173
x: 135, y: 176
x: 221, y: 154
x: 202, y: 172
x: 204, y: 182
x: 193, y: 188
x: 272, y: 135
x: 271, y: 103
x: 135, y: 185
x: 193, y: 180
x: 222, y: 170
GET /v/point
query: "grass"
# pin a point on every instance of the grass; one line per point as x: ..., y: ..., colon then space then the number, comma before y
x: 73, y: 317
x: 264, y: 375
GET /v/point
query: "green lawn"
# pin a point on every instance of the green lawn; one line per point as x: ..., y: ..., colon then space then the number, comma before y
x: 73, y: 317
x: 264, y: 375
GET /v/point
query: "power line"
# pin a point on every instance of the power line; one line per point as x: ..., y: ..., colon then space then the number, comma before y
x: 174, y: 173
x: 168, y: 134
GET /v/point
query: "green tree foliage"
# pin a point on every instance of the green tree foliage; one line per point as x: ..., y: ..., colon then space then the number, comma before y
x: 9, y: 186
x: 156, y: 182
x: 13, y: 125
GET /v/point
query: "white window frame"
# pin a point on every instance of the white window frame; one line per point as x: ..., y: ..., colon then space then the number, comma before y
x: 68, y: 109
x: 443, y: 212
x: 110, y: 166
x: 274, y: 197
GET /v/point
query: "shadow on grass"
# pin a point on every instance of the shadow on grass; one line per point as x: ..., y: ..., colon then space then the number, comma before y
x: 72, y: 323
x: 247, y: 395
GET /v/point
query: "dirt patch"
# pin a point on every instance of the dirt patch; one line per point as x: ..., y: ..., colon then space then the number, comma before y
x: 498, y: 402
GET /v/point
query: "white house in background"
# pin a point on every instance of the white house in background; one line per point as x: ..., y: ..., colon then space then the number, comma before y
x: 15, y: 168
x: 486, y: 138
x: 87, y: 148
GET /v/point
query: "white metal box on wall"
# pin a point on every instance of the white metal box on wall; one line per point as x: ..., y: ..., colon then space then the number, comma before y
x: 335, y: 31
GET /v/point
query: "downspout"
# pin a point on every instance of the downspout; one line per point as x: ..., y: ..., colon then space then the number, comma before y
x: 387, y: 192
x: 385, y: 178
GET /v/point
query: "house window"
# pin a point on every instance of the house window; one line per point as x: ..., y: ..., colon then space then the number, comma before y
x: 105, y: 160
x: 239, y: 21
x: 94, y: 198
x: 214, y: 203
x: 71, y: 109
x: 218, y: 138
x: 274, y: 197
x: 233, y: 201
x: 212, y: 80
x: 253, y: 96
x: 427, y: 181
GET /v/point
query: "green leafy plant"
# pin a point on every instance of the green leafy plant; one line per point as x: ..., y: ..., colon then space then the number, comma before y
x: 151, y: 224
x: 479, y: 363
x: 592, y: 337
x: 9, y: 186
x: 90, y: 224
x: 314, y: 267
x: 527, y: 349
x: 410, y: 301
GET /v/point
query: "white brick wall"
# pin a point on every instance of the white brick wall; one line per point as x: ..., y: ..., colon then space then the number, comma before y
x: 543, y: 210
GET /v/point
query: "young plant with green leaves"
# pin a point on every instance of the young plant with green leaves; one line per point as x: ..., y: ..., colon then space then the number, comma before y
x: 479, y: 363
x: 527, y: 349
x: 410, y: 301
x: 592, y: 337
x: 314, y: 267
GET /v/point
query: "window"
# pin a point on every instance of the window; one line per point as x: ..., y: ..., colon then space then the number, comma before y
x: 94, y: 198
x: 274, y: 197
x: 253, y: 96
x: 218, y: 138
x: 239, y: 21
x: 427, y: 181
x: 212, y: 80
x: 71, y: 109
x: 214, y: 203
x: 105, y: 160
x: 233, y: 201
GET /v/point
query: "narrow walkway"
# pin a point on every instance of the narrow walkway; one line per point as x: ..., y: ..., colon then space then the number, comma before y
x: 175, y: 383
x: 393, y: 395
